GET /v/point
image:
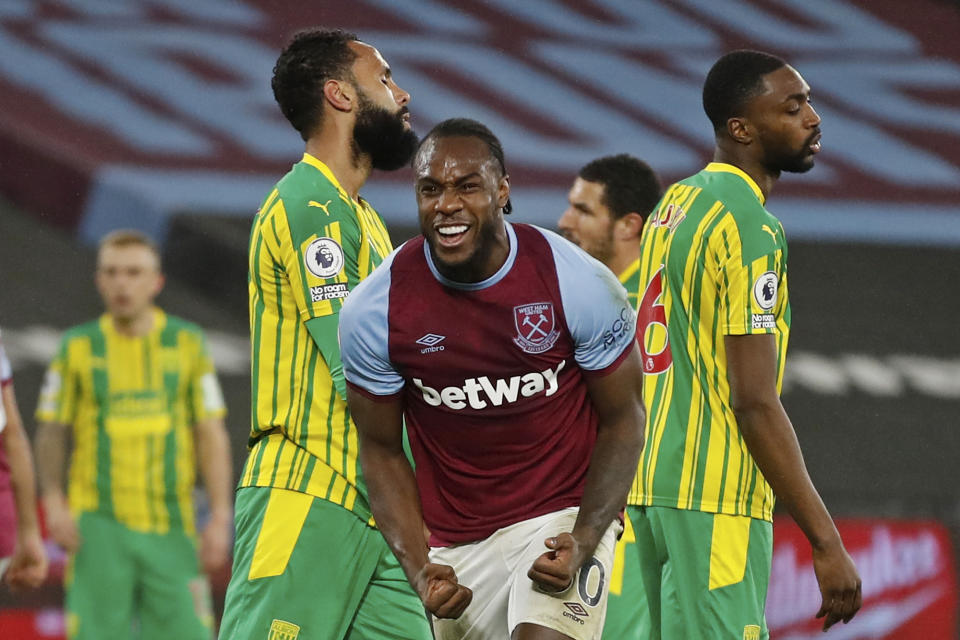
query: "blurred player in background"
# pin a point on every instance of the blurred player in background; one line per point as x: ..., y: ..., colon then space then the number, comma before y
x: 511, y: 354
x: 719, y: 444
x: 609, y: 201
x: 137, y: 392
x: 23, y: 560
x: 308, y: 561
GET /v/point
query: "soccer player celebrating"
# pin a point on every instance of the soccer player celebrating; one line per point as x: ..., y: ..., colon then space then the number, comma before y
x: 719, y: 443
x: 518, y: 374
x: 609, y: 201
x: 23, y: 561
x: 308, y: 560
x: 139, y: 391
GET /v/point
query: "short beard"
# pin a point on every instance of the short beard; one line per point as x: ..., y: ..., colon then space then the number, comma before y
x: 800, y: 162
x: 468, y: 271
x: 382, y: 136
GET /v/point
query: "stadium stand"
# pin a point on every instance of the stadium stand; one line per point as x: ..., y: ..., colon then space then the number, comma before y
x: 157, y: 114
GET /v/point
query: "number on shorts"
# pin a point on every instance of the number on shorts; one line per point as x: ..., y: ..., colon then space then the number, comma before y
x: 583, y: 585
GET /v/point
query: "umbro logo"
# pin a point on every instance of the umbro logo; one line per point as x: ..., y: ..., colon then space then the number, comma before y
x: 431, y: 342
x: 576, y: 612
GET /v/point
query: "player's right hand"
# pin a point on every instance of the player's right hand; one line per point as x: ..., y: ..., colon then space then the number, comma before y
x: 28, y: 567
x: 440, y: 592
x: 839, y: 585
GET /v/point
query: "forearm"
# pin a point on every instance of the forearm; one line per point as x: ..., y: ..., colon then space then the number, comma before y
x: 613, y: 466
x: 51, y: 454
x: 772, y: 442
x: 216, y: 467
x: 324, y: 333
x: 21, y: 475
x: 395, y: 503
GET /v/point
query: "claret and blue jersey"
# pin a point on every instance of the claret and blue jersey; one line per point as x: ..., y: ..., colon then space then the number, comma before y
x: 492, y: 375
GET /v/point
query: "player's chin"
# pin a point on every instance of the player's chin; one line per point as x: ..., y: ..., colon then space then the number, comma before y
x: 801, y: 164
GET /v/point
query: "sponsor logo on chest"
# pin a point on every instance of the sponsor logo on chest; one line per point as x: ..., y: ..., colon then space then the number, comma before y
x: 481, y: 392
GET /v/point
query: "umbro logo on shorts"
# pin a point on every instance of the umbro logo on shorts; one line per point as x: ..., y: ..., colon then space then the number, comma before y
x: 283, y: 630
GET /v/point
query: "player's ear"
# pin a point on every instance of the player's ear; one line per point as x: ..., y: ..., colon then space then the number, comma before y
x: 629, y: 226
x: 158, y: 286
x: 740, y: 130
x: 503, y: 192
x: 339, y: 94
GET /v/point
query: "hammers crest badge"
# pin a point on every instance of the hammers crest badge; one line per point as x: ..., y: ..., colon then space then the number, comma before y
x: 536, y: 327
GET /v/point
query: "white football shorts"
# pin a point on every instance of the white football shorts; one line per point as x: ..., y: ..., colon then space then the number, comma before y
x: 504, y: 597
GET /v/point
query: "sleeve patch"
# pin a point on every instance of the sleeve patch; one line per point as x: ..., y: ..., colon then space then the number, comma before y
x: 323, y: 258
x: 765, y: 290
x: 329, y: 292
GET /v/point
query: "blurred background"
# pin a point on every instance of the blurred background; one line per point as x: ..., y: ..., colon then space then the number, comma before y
x: 158, y: 115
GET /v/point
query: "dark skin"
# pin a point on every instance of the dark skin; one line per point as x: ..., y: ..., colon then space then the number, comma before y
x: 779, y: 131
x: 460, y: 186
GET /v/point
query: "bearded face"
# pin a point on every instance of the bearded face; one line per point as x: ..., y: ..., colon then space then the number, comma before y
x: 383, y: 135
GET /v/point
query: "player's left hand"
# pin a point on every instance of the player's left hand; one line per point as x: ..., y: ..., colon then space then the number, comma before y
x: 556, y: 569
x: 28, y: 567
x: 214, y: 544
x: 840, y: 586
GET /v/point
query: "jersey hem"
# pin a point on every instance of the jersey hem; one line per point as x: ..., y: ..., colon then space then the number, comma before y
x: 671, y: 503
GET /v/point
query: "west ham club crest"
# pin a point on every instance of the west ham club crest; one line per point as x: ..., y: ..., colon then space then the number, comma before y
x: 536, y: 328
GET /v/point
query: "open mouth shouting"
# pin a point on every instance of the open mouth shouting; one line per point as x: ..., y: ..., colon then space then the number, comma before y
x: 451, y: 234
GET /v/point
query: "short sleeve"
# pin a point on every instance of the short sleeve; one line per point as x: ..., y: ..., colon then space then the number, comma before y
x: 753, y: 289
x: 599, y: 315
x: 364, y: 336
x: 206, y: 396
x: 58, y: 393
x: 321, y: 253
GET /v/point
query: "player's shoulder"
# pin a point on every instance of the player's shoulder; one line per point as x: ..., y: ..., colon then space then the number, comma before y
x: 584, y: 281
x: 757, y: 230
x: 178, y: 324
x: 565, y: 253
x: 307, y: 191
x: 370, y: 292
x: 91, y: 329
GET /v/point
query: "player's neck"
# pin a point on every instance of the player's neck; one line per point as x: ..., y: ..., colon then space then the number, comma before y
x: 135, y: 326
x: 763, y: 176
x: 624, y: 256
x: 334, y: 147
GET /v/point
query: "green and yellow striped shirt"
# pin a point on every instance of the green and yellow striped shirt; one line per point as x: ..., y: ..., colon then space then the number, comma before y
x: 132, y: 403
x: 630, y: 279
x: 713, y: 263
x: 310, y: 245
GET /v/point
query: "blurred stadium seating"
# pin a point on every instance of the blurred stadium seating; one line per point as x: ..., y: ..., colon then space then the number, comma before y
x: 157, y: 114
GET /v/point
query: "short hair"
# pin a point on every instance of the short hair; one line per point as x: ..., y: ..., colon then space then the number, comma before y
x: 310, y: 59
x: 467, y: 128
x: 732, y: 81
x: 129, y: 238
x: 629, y: 184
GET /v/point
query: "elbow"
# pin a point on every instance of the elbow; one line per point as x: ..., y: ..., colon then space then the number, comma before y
x: 750, y: 409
